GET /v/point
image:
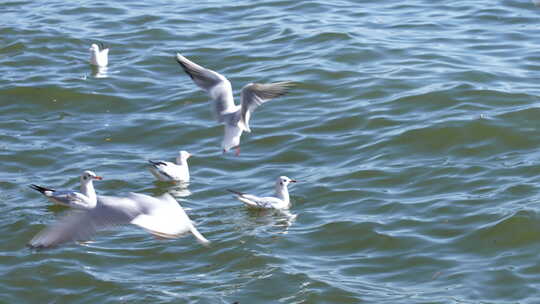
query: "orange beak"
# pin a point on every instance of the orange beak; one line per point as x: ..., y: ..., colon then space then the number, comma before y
x: 98, y: 177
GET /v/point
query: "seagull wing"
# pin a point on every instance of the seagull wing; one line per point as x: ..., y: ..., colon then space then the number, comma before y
x: 164, y: 170
x: 215, y: 84
x: 164, y: 217
x: 254, y: 201
x: 82, y: 225
x: 255, y: 94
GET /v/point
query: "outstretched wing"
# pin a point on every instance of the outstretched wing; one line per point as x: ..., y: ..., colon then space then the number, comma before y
x: 215, y: 84
x: 164, y: 217
x: 82, y: 225
x: 255, y: 94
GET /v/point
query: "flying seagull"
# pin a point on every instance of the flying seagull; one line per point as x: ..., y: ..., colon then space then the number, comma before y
x: 161, y: 216
x: 234, y: 117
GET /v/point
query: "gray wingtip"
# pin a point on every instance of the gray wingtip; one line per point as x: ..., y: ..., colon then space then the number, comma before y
x: 287, y: 86
x: 37, y: 243
x: 37, y: 246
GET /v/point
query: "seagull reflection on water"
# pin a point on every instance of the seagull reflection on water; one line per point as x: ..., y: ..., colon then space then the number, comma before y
x: 282, y: 219
x: 99, y: 72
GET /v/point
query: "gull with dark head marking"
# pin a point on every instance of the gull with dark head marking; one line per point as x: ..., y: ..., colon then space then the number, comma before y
x: 171, y: 172
x: 86, y: 199
x: 99, y: 55
x: 161, y: 216
x: 234, y: 117
x: 280, y: 201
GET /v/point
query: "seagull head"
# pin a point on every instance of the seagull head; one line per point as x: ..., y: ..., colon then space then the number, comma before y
x: 94, y: 47
x: 89, y: 176
x: 182, y: 156
x: 284, y: 181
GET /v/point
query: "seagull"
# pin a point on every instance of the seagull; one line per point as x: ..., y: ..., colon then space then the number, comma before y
x: 161, y: 216
x: 234, y: 117
x: 99, y: 56
x: 86, y: 199
x: 167, y: 171
x: 280, y: 202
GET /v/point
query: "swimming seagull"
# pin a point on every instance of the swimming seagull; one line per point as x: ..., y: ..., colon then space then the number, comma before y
x: 167, y: 171
x: 234, y: 117
x: 281, y: 201
x: 85, y: 199
x: 161, y: 216
x: 99, y: 56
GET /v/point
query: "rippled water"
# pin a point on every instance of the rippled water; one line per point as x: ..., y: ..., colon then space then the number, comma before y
x: 413, y: 132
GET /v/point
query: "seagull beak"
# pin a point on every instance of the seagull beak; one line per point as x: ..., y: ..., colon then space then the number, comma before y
x: 293, y: 181
x: 98, y: 177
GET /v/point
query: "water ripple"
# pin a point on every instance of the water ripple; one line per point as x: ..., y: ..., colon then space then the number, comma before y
x: 412, y: 131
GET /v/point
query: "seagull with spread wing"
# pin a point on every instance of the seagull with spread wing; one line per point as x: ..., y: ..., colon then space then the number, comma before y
x: 161, y: 216
x: 234, y: 117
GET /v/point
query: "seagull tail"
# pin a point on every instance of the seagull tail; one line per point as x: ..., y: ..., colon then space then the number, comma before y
x: 242, y: 124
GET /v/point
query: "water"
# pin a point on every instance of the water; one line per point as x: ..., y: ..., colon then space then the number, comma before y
x: 413, y: 132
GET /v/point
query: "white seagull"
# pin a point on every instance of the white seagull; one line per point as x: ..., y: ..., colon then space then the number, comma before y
x: 85, y: 199
x: 99, y: 56
x: 167, y: 171
x: 234, y: 117
x: 280, y: 201
x: 161, y: 216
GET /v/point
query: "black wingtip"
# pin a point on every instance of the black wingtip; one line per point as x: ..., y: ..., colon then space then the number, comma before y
x: 156, y: 163
x: 39, y: 188
x: 235, y: 192
x: 101, y: 45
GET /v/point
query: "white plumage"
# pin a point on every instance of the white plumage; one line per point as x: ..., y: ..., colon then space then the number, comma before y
x: 234, y: 117
x: 161, y: 216
x: 280, y: 201
x: 99, y: 57
x: 83, y: 200
x: 167, y: 171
